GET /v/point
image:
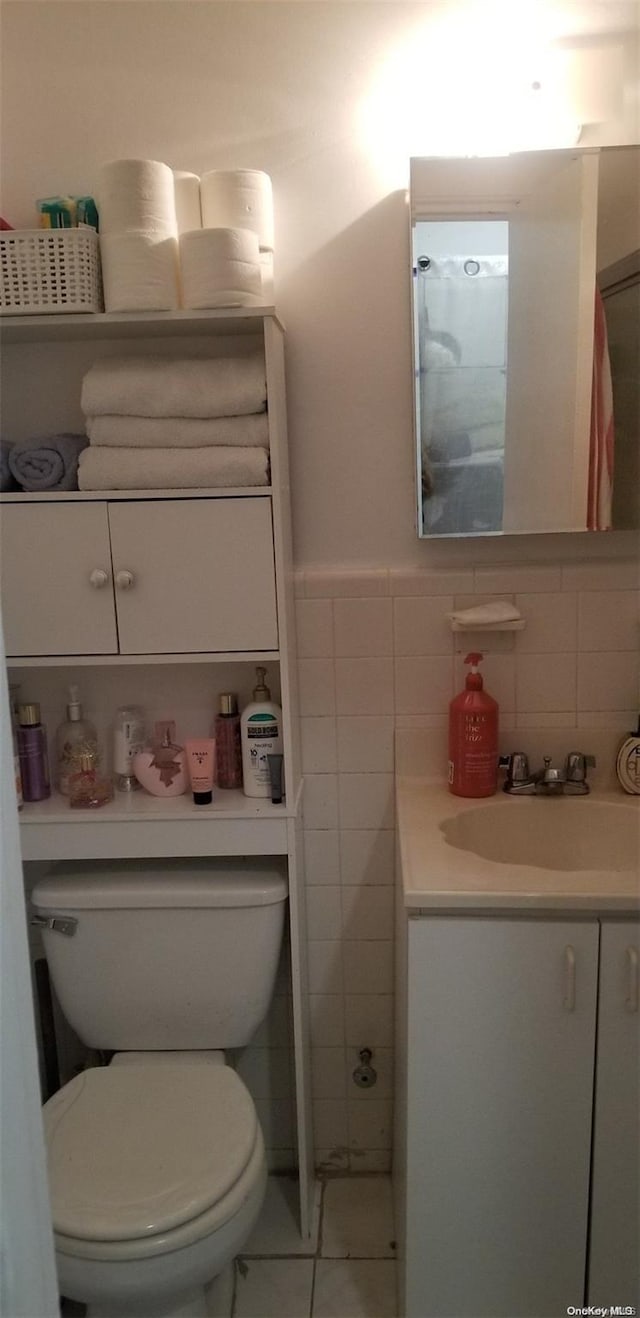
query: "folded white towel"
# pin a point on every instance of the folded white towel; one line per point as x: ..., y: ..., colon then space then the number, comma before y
x: 483, y: 615
x: 166, y: 387
x: 179, y: 432
x: 172, y: 469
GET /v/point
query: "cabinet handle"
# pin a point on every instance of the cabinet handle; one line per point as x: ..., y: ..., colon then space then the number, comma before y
x: 98, y: 578
x: 124, y: 579
x: 631, y: 1002
x: 569, y: 978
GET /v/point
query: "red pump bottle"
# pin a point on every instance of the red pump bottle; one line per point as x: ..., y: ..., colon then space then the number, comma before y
x: 473, y: 737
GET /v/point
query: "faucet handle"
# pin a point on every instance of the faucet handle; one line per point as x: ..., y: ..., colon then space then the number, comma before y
x: 577, y: 765
x: 517, y: 766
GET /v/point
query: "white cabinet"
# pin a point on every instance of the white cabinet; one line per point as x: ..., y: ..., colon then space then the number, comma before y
x: 499, y: 1083
x: 57, y: 596
x: 518, y: 1160
x: 139, y: 577
x: 614, y: 1256
x: 193, y: 574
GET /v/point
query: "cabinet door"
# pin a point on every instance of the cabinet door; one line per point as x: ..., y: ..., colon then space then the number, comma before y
x: 500, y: 1073
x: 194, y: 575
x: 614, y: 1261
x: 57, y: 593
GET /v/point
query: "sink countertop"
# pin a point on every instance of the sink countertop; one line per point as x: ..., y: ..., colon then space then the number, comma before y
x: 438, y: 877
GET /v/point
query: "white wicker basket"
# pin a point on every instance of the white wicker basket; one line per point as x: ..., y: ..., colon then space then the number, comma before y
x: 49, y: 270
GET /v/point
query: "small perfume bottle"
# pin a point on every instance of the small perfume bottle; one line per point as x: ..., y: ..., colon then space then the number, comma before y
x: 88, y: 789
x: 162, y: 769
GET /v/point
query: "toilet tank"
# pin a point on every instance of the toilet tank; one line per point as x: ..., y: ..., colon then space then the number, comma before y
x: 164, y: 955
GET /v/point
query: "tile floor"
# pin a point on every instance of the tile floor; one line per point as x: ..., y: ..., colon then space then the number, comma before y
x: 347, y: 1270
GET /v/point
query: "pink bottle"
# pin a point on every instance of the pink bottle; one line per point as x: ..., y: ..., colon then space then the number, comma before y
x: 162, y: 768
x: 226, y: 730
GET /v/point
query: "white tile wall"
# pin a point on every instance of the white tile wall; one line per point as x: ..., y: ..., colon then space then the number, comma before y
x: 376, y: 653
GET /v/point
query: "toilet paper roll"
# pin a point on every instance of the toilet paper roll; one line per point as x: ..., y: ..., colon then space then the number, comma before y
x: 187, y: 192
x: 137, y: 196
x: 220, y: 268
x: 139, y: 272
x: 266, y: 272
x: 238, y: 198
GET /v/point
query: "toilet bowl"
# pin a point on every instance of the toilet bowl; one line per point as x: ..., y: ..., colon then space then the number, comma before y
x: 157, y: 1175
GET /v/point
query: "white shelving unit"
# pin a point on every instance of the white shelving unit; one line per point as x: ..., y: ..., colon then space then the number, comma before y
x: 212, y: 596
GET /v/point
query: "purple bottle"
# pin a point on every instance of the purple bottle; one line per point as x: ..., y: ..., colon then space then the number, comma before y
x: 32, y: 749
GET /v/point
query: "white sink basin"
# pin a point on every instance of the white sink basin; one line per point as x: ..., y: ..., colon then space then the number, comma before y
x: 559, y: 833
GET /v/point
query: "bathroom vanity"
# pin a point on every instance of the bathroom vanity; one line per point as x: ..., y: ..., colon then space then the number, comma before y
x: 517, y: 1134
x: 162, y: 598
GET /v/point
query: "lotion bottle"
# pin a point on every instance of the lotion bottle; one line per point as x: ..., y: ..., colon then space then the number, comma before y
x: 74, y: 738
x: 261, y: 734
x: 473, y: 737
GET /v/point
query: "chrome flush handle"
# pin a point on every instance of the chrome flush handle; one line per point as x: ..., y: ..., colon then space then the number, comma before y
x: 61, y: 924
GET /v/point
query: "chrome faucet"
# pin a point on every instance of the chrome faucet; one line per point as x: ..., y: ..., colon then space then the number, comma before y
x: 548, y: 781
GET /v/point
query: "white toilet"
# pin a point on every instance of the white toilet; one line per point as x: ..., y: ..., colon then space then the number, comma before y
x: 157, y: 1168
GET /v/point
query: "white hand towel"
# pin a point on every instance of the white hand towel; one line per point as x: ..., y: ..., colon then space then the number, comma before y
x: 238, y: 199
x: 483, y: 615
x: 172, y: 469
x: 139, y: 272
x: 187, y: 194
x: 220, y: 268
x: 166, y: 387
x: 136, y: 196
x: 179, y: 432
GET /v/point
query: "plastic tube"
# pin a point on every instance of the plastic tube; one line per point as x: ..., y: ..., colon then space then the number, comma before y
x: 201, y: 756
x: 275, y: 776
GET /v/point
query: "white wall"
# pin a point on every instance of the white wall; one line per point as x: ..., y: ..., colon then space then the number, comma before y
x: 287, y: 87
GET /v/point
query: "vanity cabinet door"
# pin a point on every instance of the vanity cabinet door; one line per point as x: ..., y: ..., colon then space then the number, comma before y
x: 57, y: 590
x: 614, y: 1260
x: 500, y: 1076
x: 194, y: 575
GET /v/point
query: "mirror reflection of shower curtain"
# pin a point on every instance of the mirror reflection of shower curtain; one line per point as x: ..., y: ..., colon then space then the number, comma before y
x: 462, y: 307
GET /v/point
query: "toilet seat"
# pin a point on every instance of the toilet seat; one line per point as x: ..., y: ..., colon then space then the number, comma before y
x: 137, y: 1153
x: 250, y: 1186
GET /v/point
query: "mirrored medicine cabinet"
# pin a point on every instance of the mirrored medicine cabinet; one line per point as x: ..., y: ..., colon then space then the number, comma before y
x: 509, y: 335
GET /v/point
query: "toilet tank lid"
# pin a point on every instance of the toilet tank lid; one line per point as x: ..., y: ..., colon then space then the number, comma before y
x: 107, y: 885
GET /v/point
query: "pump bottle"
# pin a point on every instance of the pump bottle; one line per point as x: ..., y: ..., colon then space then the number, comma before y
x: 75, y: 737
x: 261, y: 735
x: 473, y: 737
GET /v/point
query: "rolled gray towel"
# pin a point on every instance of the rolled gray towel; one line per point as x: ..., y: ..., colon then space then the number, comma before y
x: 47, y: 464
x: 7, y: 483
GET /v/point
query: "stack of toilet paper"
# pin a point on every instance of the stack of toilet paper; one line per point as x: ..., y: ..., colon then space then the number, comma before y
x: 229, y: 260
x: 138, y: 236
x: 169, y: 238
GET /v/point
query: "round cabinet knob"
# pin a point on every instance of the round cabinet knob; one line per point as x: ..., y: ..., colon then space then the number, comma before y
x: 98, y: 578
x: 124, y: 579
